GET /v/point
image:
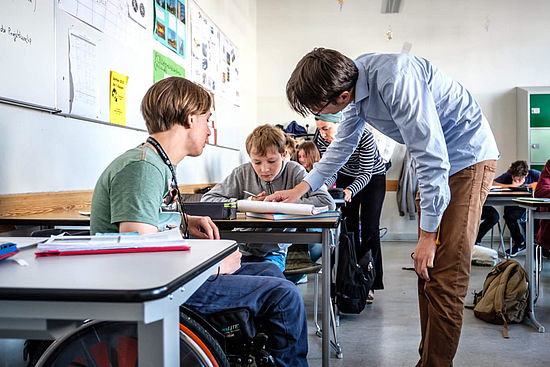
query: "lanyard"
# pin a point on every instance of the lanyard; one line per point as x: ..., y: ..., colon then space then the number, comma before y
x: 184, y: 225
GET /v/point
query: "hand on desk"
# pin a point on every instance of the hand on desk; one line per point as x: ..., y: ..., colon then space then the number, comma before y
x: 203, y: 228
x: 290, y: 196
x: 347, y: 195
x: 260, y: 197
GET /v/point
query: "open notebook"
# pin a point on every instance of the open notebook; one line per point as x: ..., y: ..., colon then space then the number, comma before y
x: 85, y: 245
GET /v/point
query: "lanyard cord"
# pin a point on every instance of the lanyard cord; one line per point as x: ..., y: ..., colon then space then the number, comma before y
x: 184, y: 225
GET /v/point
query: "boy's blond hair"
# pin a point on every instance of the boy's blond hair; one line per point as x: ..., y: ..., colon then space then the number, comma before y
x: 264, y: 138
x: 171, y: 101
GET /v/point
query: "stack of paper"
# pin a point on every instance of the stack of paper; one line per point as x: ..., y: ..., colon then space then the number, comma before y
x: 283, y: 208
x: 279, y: 216
x: 84, y: 245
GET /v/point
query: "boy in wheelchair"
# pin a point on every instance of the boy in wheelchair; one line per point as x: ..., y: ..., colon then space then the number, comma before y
x: 138, y: 192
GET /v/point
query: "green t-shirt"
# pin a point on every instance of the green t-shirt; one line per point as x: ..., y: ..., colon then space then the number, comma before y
x: 133, y: 188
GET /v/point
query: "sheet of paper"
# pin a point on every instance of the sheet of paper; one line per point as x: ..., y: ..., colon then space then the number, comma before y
x: 117, y: 98
x: 82, y: 59
x: 163, y: 67
x: 285, y: 208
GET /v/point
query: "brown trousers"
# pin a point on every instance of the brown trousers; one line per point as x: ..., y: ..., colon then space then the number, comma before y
x: 441, y: 300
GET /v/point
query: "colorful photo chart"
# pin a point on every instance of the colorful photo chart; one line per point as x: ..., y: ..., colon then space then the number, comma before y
x: 229, y: 70
x: 169, y: 24
x: 205, y: 47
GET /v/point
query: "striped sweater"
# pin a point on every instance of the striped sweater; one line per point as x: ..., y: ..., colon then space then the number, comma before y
x: 363, y: 163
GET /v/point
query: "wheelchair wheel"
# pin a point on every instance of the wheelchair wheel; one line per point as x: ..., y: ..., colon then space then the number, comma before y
x: 114, y: 344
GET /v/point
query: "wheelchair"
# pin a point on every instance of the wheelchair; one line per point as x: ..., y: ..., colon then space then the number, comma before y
x: 223, y: 339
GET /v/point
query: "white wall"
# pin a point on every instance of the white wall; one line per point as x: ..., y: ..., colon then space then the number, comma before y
x: 41, y: 152
x: 490, y: 46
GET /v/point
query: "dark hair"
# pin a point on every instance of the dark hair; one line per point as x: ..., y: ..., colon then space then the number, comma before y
x: 518, y: 168
x: 171, y: 101
x: 319, y: 77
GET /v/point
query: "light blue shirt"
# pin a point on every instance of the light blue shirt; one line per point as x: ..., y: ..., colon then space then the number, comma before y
x: 414, y: 103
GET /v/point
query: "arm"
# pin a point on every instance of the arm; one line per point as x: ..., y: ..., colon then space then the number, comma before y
x: 230, y: 189
x: 543, y: 186
x: 413, y: 110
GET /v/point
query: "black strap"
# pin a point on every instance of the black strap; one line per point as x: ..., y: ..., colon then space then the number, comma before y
x: 184, y: 225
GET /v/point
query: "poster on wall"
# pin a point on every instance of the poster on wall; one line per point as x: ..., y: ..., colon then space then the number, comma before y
x: 117, y: 98
x: 169, y: 24
x: 229, y: 70
x: 205, y: 47
x: 164, y: 67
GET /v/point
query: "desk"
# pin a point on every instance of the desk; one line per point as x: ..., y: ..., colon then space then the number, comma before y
x: 532, y: 214
x: 54, y: 218
x: 50, y: 295
x: 324, y: 237
x: 505, y: 198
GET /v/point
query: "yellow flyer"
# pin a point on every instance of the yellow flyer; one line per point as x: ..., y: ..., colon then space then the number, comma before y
x: 117, y: 106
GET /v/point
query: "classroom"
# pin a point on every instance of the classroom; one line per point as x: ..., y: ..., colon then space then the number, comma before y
x: 73, y: 77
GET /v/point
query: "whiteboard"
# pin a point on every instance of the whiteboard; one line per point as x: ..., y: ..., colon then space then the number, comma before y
x: 27, y: 51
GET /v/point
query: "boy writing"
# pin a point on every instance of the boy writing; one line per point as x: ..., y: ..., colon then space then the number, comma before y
x: 267, y: 172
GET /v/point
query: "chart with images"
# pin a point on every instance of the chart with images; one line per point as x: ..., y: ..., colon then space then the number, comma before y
x: 169, y: 24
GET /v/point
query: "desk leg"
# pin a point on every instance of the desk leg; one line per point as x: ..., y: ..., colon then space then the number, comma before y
x: 158, y: 342
x: 326, y: 298
x: 529, y: 261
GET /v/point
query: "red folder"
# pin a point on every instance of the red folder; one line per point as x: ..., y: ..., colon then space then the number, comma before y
x: 112, y: 251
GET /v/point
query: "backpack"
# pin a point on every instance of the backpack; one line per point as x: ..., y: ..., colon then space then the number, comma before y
x: 503, y: 299
x: 354, y: 278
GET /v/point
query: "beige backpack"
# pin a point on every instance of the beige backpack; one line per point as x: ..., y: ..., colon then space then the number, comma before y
x: 503, y: 299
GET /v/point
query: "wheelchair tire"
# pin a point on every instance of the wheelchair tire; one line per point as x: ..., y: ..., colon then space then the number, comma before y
x: 107, y: 344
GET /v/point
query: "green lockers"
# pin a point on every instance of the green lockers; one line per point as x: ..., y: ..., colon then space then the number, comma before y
x: 539, y: 114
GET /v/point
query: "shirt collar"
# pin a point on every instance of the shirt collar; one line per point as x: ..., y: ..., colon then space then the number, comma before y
x: 361, y: 87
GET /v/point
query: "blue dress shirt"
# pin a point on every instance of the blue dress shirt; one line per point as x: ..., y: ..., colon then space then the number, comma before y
x: 413, y: 102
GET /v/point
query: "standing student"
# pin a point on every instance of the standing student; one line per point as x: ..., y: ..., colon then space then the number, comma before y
x: 363, y: 178
x: 413, y: 102
x: 138, y: 192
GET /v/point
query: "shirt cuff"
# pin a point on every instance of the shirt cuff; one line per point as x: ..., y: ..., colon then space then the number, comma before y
x: 314, y: 180
x: 429, y: 223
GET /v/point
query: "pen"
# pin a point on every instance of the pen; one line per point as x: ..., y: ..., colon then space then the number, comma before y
x: 251, y: 194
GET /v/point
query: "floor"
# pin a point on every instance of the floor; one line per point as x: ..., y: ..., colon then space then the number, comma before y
x: 386, y: 333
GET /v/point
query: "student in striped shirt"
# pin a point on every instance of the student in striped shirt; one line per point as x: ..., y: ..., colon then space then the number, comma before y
x: 363, y: 179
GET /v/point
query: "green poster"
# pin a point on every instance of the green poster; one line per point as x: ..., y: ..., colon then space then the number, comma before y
x: 164, y: 67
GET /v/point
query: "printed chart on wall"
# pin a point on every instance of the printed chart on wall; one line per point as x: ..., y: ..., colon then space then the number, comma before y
x: 169, y: 24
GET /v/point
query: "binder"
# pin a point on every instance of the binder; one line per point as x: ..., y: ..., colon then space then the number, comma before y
x: 111, y: 251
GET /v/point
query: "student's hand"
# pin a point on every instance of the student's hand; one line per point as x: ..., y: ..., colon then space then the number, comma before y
x: 290, y: 196
x: 203, y: 228
x: 517, y: 181
x: 260, y: 197
x: 347, y: 195
x: 230, y: 264
x: 424, y: 254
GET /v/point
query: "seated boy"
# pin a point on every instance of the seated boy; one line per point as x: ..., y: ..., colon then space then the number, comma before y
x: 137, y: 193
x: 267, y: 172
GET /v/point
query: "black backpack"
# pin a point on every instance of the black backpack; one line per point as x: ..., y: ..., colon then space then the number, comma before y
x: 354, y: 278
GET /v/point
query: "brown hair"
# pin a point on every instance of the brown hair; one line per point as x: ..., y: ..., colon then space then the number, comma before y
x: 320, y: 77
x: 290, y: 145
x: 171, y: 101
x: 265, y: 137
x: 518, y: 168
x: 310, y: 151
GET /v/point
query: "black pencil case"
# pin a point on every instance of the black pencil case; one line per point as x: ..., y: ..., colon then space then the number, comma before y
x: 214, y: 210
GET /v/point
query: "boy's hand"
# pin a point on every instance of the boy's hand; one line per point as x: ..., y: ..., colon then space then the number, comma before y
x: 260, y: 197
x: 203, y: 228
x: 347, y: 195
x: 290, y: 196
x: 231, y: 264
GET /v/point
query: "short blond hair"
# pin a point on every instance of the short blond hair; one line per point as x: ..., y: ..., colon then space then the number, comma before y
x: 265, y: 137
x: 171, y: 101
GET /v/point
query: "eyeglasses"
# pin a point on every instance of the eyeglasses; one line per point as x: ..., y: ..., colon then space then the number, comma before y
x: 321, y: 110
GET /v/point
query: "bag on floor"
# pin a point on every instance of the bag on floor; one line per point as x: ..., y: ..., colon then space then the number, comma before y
x: 354, y: 278
x: 503, y: 299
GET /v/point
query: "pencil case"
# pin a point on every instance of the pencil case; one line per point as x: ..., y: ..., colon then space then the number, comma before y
x: 214, y: 210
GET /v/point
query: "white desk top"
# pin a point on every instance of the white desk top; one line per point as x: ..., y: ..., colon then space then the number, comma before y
x: 106, y: 277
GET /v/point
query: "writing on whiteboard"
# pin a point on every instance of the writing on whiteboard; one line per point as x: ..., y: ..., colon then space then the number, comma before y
x: 16, y: 34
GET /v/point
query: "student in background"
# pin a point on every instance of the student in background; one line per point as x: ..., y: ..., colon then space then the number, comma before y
x: 267, y: 172
x: 517, y: 175
x: 542, y: 190
x: 363, y: 178
x: 138, y: 192
x: 415, y: 103
x: 308, y: 155
x: 290, y: 147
